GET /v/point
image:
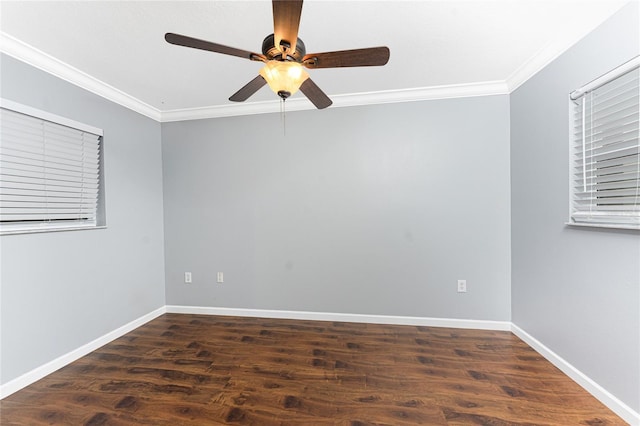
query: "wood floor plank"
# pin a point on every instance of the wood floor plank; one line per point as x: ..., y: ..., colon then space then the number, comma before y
x: 208, y: 370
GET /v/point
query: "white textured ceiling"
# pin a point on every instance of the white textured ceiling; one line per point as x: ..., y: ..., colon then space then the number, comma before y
x: 432, y: 43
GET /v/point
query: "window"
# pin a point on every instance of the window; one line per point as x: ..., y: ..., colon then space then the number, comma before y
x: 605, y: 150
x: 50, y: 172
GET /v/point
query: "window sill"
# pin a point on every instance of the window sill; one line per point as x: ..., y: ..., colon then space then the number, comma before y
x: 42, y: 230
x: 604, y: 225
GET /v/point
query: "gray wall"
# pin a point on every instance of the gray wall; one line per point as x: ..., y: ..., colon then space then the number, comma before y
x: 367, y: 210
x: 61, y: 290
x: 373, y: 210
x: 574, y: 289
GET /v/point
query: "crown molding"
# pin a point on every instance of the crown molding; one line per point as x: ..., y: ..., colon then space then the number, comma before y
x: 45, y: 62
x: 537, y: 62
x: 531, y: 67
x: 41, y: 60
x: 339, y: 101
x: 551, y: 52
x: 232, y: 110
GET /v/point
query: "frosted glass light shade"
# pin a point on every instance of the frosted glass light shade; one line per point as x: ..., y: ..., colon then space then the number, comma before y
x: 284, y: 77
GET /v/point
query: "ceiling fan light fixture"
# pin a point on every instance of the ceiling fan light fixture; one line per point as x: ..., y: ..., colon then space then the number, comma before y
x: 284, y: 77
x: 284, y: 55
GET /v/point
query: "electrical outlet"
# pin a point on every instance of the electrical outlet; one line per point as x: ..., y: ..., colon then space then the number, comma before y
x: 220, y: 277
x: 187, y: 277
x: 462, y: 286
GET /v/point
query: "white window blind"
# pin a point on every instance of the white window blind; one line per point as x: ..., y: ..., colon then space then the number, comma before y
x: 605, y: 160
x: 49, y: 174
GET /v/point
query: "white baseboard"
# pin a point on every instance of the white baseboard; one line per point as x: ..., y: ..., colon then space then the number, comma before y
x: 48, y: 368
x: 613, y: 403
x: 329, y: 316
x: 617, y: 406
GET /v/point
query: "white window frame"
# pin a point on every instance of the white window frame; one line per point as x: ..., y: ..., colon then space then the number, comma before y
x: 97, y: 218
x: 599, y: 198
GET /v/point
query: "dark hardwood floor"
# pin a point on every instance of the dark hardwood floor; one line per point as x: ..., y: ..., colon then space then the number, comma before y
x: 206, y: 370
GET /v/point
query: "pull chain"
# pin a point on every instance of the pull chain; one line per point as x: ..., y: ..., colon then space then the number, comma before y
x: 283, y: 117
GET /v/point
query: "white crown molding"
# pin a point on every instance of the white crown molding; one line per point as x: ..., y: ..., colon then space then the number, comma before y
x: 549, y: 53
x: 233, y: 110
x: 41, y: 60
x: 32, y: 56
x: 347, y: 100
x: 452, y: 91
x: 604, y: 396
x: 531, y: 67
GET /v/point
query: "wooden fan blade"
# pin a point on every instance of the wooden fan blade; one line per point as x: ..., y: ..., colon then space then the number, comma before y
x: 315, y: 94
x: 369, y: 57
x: 286, y: 21
x: 249, y: 89
x: 196, y: 43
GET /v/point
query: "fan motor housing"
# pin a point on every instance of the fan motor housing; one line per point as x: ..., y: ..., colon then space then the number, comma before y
x: 270, y: 50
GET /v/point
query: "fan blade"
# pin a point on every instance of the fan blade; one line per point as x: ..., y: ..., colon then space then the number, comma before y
x: 249, y: 89
x: 315, y: 94
x: 195, y: 43
x: 286, y: 20
x: 369, y: 57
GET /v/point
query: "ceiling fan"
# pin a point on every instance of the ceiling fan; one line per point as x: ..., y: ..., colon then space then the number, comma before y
x: 284, y: 55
